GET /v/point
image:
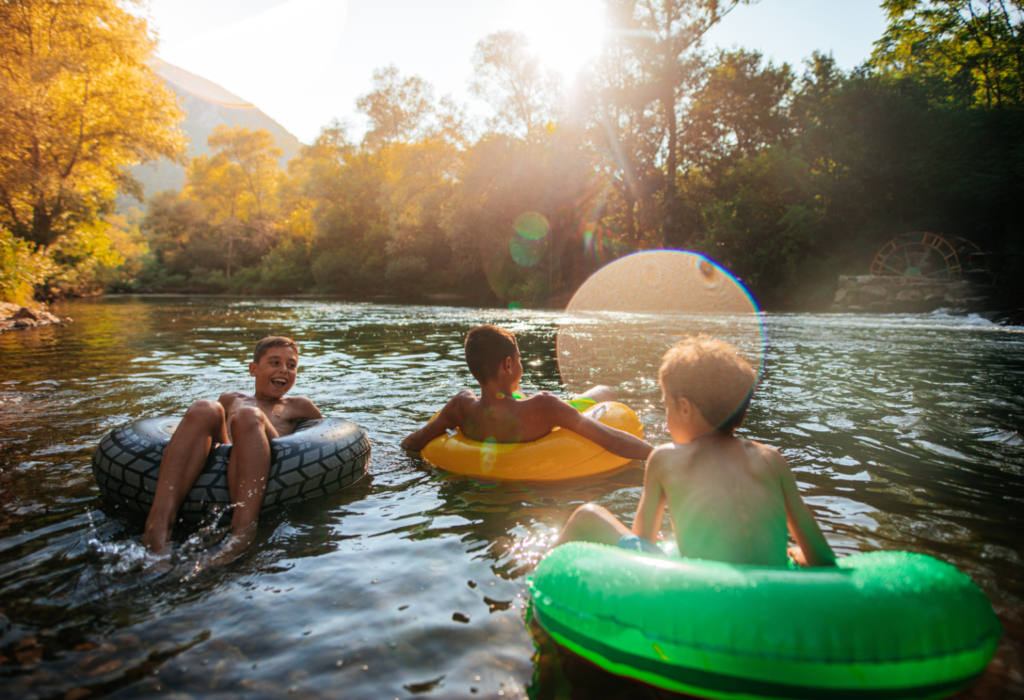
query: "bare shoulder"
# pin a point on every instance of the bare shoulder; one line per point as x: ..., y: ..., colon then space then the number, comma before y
x: 769, y: 456
x: 462, y: 402
x: 462, y: 397
x: 670, y: 456
x: 302, y: 407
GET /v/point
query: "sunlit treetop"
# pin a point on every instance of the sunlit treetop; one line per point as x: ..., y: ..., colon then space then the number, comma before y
x: 78, y: 105
x: 976, y: 44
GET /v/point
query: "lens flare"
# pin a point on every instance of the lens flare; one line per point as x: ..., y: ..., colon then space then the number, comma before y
x: 488, y: 455
x: 532, y: 225
x: 627, y: 314
x: 525, y: 251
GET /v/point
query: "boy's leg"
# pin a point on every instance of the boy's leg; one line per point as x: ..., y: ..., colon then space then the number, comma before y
x: 249, y: 465
x: 182, y: 462
x: 592, y: 523
x: 600, y: 394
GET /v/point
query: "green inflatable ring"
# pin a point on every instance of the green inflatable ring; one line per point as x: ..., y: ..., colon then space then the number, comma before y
x: 883, y: 625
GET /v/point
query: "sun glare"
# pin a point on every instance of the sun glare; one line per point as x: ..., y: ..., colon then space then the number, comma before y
x: 566, y: 34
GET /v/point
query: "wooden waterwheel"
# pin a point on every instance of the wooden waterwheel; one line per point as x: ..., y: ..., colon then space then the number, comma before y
x: 918, y: 254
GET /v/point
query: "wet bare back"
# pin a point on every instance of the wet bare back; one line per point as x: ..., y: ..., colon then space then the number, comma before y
x: 508, y: 420
x: 726, y: 498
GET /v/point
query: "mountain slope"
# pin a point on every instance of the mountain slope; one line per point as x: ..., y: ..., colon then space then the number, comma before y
x: 206, y: 105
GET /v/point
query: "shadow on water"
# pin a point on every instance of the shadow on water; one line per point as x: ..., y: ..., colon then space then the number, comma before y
x: 901, y: 430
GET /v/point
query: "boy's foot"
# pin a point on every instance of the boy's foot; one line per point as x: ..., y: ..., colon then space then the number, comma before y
x: 158, y: 563
x: 233, y: 546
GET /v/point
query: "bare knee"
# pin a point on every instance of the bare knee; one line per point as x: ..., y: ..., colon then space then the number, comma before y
x: 248, y: 418
x: 589, y: 512
x: 601, y: 393
x: 207, y: 413
x: 204, y: 417
x: 592, y: 523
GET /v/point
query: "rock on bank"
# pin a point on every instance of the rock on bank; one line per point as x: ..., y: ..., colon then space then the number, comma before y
x: 891, y: 294
x: 15, y: 317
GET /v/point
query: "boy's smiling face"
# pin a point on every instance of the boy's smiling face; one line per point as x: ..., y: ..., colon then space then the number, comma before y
x: 275, y: 372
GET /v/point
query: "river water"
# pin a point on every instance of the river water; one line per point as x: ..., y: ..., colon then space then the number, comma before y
x: 901, y: 430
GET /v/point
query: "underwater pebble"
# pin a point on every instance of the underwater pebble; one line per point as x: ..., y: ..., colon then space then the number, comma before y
x: 461, y: 617
x: 106, y: 668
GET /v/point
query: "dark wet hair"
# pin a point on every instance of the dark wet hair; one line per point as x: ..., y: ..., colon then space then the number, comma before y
x: 273, y: 341
x: 713, y: 376
x: 487, y: 347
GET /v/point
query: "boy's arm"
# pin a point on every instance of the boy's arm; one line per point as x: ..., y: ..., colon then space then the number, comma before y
x: 449, y: 417
x: 615, y: 441
x: 800, y: 520
x: 651, y: 508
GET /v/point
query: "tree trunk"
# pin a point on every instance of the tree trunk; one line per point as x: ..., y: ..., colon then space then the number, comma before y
x: 668, y: 229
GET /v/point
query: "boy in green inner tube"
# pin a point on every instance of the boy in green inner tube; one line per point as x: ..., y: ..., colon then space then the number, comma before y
x: 492, y: 355
x: 248, y: 423
x: 730, y: 499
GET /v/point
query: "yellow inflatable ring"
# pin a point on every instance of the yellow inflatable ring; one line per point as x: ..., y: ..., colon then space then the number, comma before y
x: 559, y: 455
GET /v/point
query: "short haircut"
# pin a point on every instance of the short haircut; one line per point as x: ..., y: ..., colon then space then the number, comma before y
x: 712, y: 375
x: 273, y: 341
x: 486, y: 348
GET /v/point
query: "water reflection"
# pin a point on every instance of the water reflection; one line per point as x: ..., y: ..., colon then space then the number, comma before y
x: 901, y: 430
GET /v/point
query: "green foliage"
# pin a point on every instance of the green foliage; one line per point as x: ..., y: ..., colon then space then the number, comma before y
x: 786, y: 180
x: 974, y: 46
x: 22, y: 269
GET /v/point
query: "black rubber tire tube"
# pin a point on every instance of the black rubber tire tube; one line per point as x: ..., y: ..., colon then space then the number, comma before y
x: 319, y: 458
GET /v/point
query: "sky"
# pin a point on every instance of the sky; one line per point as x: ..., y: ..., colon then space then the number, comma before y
x: 305, y: 62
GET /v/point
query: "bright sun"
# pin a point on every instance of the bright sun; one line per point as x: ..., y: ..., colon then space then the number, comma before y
x: 566, y: 34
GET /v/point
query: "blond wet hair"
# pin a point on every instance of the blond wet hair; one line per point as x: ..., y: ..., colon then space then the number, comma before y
x: 713, y: 376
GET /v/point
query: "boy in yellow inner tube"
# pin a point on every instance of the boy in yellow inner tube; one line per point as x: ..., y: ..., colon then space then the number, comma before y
x: 492, y: 355
x: 730, y: 499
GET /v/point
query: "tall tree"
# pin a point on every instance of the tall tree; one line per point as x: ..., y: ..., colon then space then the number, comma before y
x: 978, y: 44
x: 506, y: 75
x: 401, y: 109
x: 664, y: 36
x: 238, y: 186
x: 78, y: 105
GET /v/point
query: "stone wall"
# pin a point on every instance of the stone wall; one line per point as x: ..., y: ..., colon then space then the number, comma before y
x: 908, y: 294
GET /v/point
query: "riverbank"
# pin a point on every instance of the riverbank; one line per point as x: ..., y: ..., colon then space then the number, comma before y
x: 15, y: 317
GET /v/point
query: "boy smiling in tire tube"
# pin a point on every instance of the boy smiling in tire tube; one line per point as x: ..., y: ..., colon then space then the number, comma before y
x: 730, y: 499
x: 493, y: 358
x: 248, y: 423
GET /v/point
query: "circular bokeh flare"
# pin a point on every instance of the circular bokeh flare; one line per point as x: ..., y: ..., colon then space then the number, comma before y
x: 627, y: 314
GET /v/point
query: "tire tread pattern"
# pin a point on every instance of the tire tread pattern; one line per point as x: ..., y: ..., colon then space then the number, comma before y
x: 318, y: 459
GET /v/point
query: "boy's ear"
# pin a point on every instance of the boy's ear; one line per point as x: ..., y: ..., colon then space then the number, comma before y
x: 252, y: 369
x: 507, y: 364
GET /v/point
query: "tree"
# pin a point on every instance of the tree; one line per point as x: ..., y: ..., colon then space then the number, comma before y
x: 402, y: 110
x: 78, y: 105
x: 663, y: 36
x: 977, y: 44
x: 525, y: 96
x: 739, y: 110
x: 237, y: 187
